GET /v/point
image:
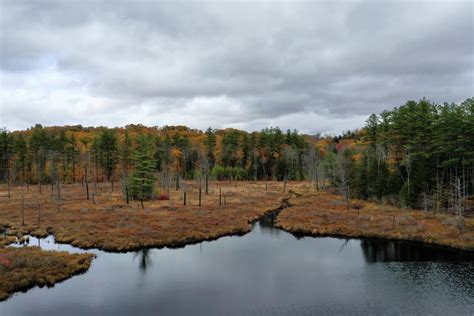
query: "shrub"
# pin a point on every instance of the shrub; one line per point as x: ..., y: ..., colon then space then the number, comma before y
x: 237, y: 173
x: 163, y: 196
x: 219, y: 172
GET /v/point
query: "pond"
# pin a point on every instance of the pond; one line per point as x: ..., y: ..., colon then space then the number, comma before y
x: 267, y: 271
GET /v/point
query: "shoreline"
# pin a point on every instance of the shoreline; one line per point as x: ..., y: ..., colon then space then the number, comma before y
x: 306, y: 233
x: 321, y: 216
x: 23, y: 268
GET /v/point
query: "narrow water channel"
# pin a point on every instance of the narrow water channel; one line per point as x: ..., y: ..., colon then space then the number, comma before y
x: 267, y: 271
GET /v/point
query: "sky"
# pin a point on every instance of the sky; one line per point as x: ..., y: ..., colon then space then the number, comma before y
x: 319, y: 67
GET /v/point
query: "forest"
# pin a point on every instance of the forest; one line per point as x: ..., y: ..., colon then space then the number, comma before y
x: 419, y: 155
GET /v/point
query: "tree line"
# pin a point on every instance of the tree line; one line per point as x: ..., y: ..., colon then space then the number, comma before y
x: 418, y: 155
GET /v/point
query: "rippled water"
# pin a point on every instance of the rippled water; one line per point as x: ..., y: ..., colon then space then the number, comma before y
x: 267, y: 271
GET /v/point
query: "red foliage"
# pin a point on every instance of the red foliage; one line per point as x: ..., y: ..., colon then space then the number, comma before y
x: 339, y: 147
x: 5, y: 261
x: 163, y: 196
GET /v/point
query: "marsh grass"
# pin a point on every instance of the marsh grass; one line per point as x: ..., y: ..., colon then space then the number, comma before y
x: 111, y: 224
x: 24, y: 268
x: 322, y: 213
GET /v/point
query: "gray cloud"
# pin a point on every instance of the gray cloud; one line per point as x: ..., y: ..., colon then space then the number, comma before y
x: 317, y: 66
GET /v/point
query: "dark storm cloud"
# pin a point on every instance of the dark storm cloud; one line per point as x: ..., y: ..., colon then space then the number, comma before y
x: 317, y: 66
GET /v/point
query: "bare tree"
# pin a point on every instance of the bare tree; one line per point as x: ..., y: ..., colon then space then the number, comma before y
x: 458, y: 198
x: 313, y: 161
x: 343, y: 163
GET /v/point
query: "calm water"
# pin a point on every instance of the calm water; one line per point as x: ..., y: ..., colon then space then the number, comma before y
x: 264, y: 272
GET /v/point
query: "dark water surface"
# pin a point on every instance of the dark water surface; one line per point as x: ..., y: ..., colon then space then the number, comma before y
x: 267, y: 271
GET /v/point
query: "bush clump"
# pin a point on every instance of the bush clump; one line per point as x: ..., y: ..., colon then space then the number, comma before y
x: 163, y: 197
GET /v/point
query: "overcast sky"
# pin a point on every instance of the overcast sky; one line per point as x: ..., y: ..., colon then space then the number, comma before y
x: 315, y: 66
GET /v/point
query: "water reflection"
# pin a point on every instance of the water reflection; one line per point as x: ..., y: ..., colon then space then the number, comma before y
x: 144, y: 259
x: 404, y: 251
x: 4, y: 230
x: 267, y: 271
x: 267, y: 224
x: 346, y: 242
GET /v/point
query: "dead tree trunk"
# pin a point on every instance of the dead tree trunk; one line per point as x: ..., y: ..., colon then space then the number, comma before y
x: 59, y: 189
x: 199, y: 196
x: 207, y: 181
x: 22, y: 210
x: 346, y: 195
x: 8, y: 185
x: 95, y: 178
x: 126, y: 193
x: 39, y: 215
x: 86, y: 181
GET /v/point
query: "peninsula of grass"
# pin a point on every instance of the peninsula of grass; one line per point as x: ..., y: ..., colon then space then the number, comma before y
x: 27, y: 267
x: 325, y: 214
x: 108, y: 223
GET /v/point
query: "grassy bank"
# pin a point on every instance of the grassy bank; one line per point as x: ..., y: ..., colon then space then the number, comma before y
x: 324, y: 214
x: 108, y: 223
x: 24, y: 268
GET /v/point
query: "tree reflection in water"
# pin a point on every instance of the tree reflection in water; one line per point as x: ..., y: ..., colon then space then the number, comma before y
x: 346, y: 242
x: 404, y: 251
x: 144, y: 259
x: 267, y: 222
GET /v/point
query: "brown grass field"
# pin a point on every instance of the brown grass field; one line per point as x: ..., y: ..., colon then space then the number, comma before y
x: 324, y: 214
x: 110, y: 224
x: 24, y: 268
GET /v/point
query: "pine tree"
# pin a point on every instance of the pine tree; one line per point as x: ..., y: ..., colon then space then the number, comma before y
x: 107, y: 152
x: 21, y: 150
x: 125, y: 153
x: 142, y: 179
x: 39, y: 144
x: 210, y: 143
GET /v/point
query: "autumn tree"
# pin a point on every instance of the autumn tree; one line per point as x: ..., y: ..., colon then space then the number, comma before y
x: 39, y: 143
x: 417, y: 155
x: 344, y: 168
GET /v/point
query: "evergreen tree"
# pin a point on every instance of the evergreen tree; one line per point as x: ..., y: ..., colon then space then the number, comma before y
x: 6, y: 150
x: 39, y: 145
x: 142, y: 179
x: 210, y: 143
x: 107, y: 147
x: 21, y: 150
